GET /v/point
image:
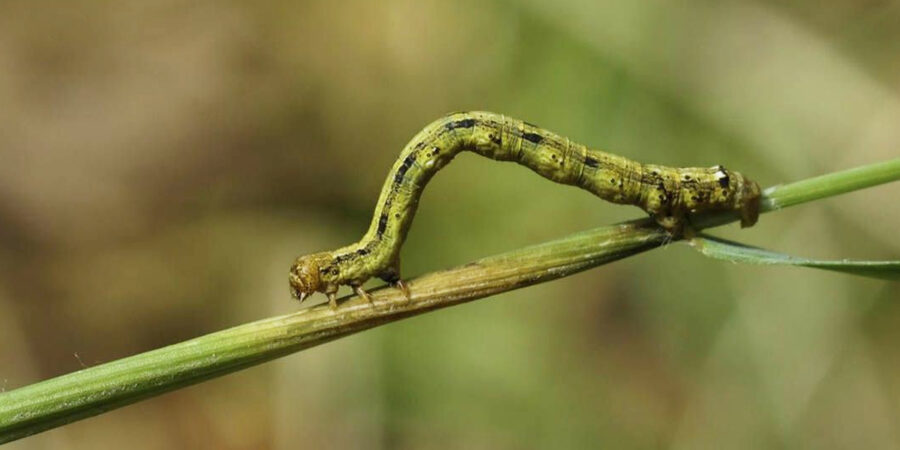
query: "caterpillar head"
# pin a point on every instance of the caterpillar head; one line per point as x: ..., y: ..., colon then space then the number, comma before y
x: 305, y: 276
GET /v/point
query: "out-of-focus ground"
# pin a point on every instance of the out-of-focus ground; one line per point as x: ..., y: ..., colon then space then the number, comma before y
x: 161, y: 163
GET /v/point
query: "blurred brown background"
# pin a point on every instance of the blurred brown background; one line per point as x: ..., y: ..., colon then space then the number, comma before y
x: 161, y: 163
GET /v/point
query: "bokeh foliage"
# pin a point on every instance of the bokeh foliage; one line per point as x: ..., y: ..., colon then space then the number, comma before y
x: 161, y: 165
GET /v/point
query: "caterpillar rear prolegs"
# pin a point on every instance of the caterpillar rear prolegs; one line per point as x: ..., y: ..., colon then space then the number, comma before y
x: 669, y: 195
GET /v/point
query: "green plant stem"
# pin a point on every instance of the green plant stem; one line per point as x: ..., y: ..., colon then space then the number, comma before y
x: 782, y: 196
x: 57, y: 401
x: 91, y: 391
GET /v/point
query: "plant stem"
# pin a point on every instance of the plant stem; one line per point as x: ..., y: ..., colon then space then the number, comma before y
x: 51, y: 403
x: 61, y: 400
x: 782, y: 196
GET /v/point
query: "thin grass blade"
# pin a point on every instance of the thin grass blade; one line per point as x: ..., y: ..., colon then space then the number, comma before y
x: 740, y: 253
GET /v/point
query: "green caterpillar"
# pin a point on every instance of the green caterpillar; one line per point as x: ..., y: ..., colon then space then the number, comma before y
x: 668, y: 194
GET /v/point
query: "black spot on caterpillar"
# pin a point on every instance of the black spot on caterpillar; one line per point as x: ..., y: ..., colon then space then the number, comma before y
x: 465, y: 123
x: 533, y: 137
x: 401, y: 171
x: 668, y: 194
x: 382, y: 224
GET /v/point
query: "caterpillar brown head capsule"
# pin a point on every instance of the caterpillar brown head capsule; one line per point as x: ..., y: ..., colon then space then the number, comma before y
x: 670, y: 195
x: 305, y: 277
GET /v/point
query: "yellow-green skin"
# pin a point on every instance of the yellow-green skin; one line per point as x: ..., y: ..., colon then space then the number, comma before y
x: 668, y: 194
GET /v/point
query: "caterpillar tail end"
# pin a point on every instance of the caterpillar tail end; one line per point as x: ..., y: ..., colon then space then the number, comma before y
x: 750, y: 199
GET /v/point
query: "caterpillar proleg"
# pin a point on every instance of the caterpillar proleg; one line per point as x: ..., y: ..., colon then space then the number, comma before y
x: 670, y: 195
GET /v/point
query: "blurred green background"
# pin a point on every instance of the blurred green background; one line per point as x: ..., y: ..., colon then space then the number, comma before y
x: 161, y: 163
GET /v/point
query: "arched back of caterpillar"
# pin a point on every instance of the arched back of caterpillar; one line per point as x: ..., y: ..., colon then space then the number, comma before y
x: 668, y: 194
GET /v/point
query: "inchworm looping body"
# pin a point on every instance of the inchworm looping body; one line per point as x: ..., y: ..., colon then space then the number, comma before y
x: 668, y: 194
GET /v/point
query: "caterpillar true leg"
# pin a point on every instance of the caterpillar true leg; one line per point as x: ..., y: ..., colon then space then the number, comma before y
x: 400, y: 284
x: 362, y: 293
x: 331, y: 292
x: 670, y: 195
